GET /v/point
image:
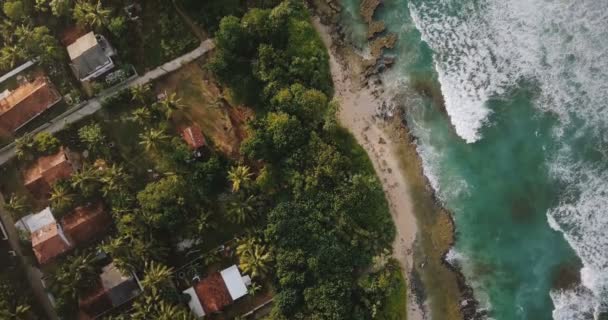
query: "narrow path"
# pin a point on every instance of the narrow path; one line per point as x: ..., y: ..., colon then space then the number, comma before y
x: 94, y: 104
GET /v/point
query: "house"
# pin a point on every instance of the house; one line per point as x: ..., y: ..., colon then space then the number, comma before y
x: 51, y: 239
x: 113, y: 290
x: 86, y: 223
x: 91, y: 56
x: 217, y: 291
x: 49, y: 242
x: 47, y: 170
x: 26, y: 102
x: 48, y: 239
x: 193, y: 136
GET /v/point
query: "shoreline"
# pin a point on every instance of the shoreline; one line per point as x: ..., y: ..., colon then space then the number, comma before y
x: 357, y: 114
x: 425, y: 230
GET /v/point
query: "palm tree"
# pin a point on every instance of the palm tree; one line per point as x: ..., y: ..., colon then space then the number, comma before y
x: 254, y: 258
x: 153, y: 139
x: 112, y: 179
x: 17, y: 206
x: 61, y: 199
x: 241, y: 208
x: 253, y: 289
x: 157, y: 276
x: 24, y: 147
x: 152, y: 306
x: 92, y: 15
x: 204, y: 223
x: 10, y: 55
x: 77, y: 275
x: 239, y: 176
x: 92, y: 136
x: 140, y: 92
x: 170, y: 103
x: 141, y: 115
x: 86, y: 180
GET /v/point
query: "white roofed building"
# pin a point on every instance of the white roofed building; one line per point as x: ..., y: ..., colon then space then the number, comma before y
x: 91, y: 56
x: 217, y: 291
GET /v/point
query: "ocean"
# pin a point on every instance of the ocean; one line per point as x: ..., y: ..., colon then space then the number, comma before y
x: 508, y: 102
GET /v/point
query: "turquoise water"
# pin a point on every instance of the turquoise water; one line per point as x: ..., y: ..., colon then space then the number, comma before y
x: 519, y: 150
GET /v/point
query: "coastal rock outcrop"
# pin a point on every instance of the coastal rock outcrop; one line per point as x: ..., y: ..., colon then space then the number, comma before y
x: 327, y: 10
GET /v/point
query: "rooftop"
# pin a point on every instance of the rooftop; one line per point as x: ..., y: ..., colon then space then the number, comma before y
x: 194, y: 137
x: 81, y: 45
x: 48, y: 170
x: 49, y: 242
x: 88, y: 55
x: 234, y: 282
x: 217, y: 291
x: 35, y: 222
x: 86, y: 223
x: 213, y: 293
x: 115, y: 289
x: 19, y: 106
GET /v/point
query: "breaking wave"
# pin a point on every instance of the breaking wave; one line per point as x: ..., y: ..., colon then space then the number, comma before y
x: 484, y: 49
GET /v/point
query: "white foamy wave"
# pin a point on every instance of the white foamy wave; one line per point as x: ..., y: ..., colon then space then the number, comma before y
x: 581, y: 218
x: 573, y: 304
x: 483, y: 50
x: 470, y: 69
x: 453, y: 257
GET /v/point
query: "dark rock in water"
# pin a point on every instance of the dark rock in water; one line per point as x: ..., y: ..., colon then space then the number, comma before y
x: 567, y: 275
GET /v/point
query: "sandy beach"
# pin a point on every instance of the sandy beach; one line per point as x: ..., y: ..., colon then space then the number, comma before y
x: 357, y: 112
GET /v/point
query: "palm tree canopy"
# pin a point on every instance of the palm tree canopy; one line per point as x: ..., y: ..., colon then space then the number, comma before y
x: 254, y: 258
x: 239, y: 176
x: 153, y: 139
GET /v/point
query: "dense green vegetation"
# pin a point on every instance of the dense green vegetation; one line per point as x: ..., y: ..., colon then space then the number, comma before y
x: 329, y: 217
x: 302, y: 205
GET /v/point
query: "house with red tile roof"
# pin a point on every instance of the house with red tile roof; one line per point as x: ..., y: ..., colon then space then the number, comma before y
x: 51, y: 239
x: 86, y: 223
x: 49, y: 242
x: 194, y: 137
x: 19, y: 106
x: 40, y: 176
x: 217, y: 291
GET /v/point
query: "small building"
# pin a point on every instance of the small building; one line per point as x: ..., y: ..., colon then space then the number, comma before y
x: 91, y: 56
x: 217, y: 291
x: 47, y: 170
x: 113, y: 290
x: 49, y: 242
x: 86, y: 224
x: 48, y: 239
x: 51, y: 239
x: 193, y: 136
x: 26, y: 102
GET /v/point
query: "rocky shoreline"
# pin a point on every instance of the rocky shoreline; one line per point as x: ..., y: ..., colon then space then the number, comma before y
x: 389, y: 111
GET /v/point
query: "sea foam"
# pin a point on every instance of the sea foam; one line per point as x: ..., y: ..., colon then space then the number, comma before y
x: 484, y: 50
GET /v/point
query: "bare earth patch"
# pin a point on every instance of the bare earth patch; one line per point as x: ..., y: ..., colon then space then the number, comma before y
x: 222, y: 123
